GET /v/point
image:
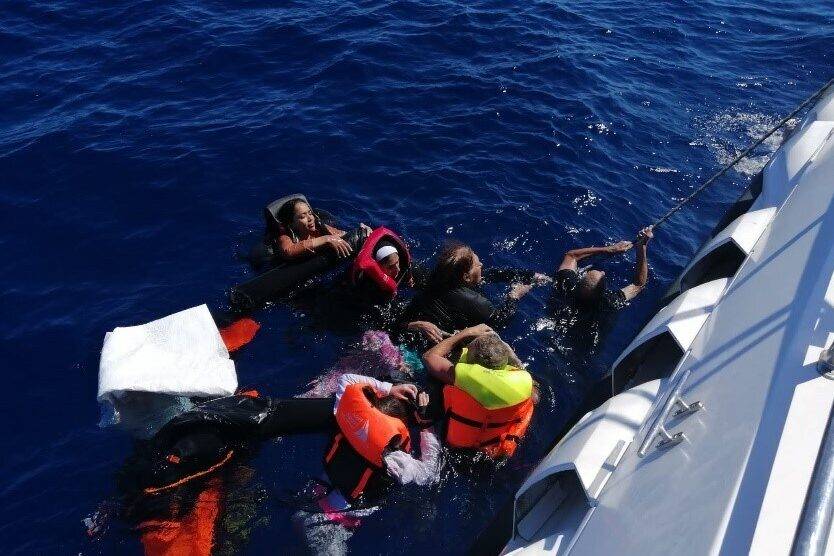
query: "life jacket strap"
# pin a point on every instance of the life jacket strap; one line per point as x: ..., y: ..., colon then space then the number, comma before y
x: 197, y: 475
x: 499, y: 439
x: 334, y: 447
x: 363, y: 482
x: 479, y: 424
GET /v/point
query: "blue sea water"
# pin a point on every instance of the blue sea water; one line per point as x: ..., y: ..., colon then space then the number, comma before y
x: 140, y: 140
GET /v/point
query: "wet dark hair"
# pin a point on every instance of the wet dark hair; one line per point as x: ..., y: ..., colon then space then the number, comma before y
x: 287, y: 211
x: 592, y: 295
x: 454, y: 261
x: 389, y: 405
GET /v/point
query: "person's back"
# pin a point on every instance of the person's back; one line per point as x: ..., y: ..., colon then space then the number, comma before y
x: 488, y: 398
x: 369, y: 451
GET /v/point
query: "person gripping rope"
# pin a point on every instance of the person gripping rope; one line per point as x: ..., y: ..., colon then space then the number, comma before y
x: 589, y: 289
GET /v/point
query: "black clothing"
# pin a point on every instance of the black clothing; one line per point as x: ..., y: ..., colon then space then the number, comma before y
x: 270, y: 285
x: 349, y: 472
x: 207, y: 436
x: 567, y: 283
x: 461, y: 307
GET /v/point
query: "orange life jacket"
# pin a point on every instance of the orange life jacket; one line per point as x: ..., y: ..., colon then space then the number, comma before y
x: 495, y: 432
x: 354, y: 458
x: 191, y: 534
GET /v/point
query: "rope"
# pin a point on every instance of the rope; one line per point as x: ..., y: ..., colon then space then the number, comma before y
x: 737, y: 159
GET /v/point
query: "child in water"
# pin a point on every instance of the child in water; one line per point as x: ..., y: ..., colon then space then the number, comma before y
x: 368, y: 453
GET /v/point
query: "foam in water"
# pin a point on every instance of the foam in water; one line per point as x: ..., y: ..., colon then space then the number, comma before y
x: 726, y: 135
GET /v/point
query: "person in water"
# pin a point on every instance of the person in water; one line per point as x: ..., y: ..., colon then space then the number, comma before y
x: 452, y: 298
x: 173, y: 488
x: 589, y: 290
x: 303, y: 234
x: 488, y: 396
x: 388, y: 257
x: 369, y: 452
x: 369, y: 295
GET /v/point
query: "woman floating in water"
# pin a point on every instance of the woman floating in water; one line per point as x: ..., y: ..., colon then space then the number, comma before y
x: 297, y: 246
x: 453, y: 299
x: 303, y: 234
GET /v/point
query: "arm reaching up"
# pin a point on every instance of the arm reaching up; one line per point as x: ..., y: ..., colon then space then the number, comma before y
x: 573, y: 256
x: 641, y: 270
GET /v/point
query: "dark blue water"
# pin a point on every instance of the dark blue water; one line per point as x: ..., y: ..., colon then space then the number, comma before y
x: 140, y: 140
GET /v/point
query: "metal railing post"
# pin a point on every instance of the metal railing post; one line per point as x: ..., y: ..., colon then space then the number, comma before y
x: 815, y: 521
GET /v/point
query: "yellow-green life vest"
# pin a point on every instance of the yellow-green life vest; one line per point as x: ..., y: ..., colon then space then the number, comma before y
x: 493, y: 388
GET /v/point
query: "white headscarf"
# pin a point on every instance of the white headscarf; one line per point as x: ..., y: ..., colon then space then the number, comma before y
x: 384, y: 251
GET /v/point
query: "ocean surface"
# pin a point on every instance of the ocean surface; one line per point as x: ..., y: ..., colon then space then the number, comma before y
x: 139, y: 142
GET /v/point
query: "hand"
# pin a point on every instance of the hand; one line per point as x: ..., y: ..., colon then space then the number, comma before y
x: 406, y: 392
x: 517, y: 291
x: 431, y: 330
x: 645, y: 235
x: 620, y: 247
x: 478, y: 330
x: 420, y: 412
x: 541, y: 279
x: 340, y: 246
x: 365, y: 228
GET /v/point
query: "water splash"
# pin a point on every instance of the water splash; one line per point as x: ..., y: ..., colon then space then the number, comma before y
x: 726, y: 135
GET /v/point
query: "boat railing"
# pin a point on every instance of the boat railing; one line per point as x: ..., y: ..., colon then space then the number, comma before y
x: 815, y: 522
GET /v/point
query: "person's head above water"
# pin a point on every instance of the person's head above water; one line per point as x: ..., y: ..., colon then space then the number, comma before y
x: 297, y: 216
x: 388, y: 257
x: 591, y: 285
x: 457, y: 265
x: 490, y: 351
x: 389, y: 405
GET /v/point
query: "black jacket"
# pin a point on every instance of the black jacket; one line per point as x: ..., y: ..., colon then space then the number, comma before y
x: 460, y: 307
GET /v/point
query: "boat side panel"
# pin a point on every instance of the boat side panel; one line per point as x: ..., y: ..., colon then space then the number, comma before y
x: 743, y: 363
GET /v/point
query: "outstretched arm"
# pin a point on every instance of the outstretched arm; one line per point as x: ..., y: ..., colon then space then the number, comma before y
x: 436, y: 358
x: 641, y: 270
x: 575, y: 255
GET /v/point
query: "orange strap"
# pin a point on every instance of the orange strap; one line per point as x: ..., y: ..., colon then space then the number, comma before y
x: 336, y: 441
x: 363, y: 482
x: 222, y: 462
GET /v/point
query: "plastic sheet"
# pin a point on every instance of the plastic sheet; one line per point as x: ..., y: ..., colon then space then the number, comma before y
x: 181, y: 355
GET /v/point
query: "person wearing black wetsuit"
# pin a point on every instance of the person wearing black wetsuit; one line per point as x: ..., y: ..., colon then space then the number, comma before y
x: 452, y: 299
x: 589, y: 291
